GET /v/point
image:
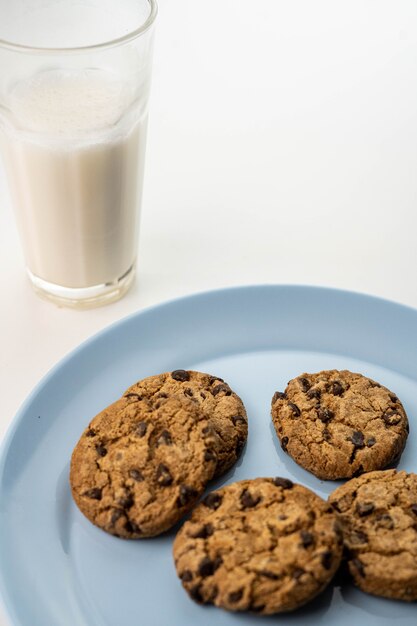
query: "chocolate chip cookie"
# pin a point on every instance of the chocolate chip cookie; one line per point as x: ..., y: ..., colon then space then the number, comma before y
x: 338, y: 424
x: 224, y: 407
x: 264, y: 545
x: 142, y: 464
x: 378, y: 515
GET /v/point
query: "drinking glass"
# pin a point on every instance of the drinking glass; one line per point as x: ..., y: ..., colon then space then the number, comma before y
x: 74, y: 89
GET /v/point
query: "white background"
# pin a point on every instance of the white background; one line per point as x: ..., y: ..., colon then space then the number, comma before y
x: 282, y: 149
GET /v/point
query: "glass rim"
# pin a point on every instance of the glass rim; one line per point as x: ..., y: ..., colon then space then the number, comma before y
x: 140, y: 30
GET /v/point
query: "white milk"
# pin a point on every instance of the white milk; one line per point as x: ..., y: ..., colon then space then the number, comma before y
x: 74, y: 153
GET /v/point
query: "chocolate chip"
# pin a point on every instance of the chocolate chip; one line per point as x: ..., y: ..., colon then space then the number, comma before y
x: 206, y: 567
x: 213, y: 501
x: 116, y: 515
x: 247, y: 500
x: 204, y: 532
x: 364, y: 508
x: 217, y: 562
x: 195, y: 593
x: 285, y: 483
x: 391, y: 418
x: 336, y: 507
x: 314, y: 394
x: 371, y: 441
x: 180, y: 375
x: 294, y: 408
x: 326, y: 559
x: 101, y: 450
x: 282, y: 517
x: 94, y: 493
x: 136, y: 475
x: 164, y: 438
x: 133, y: 395
x: 188, y: 392
x: 284, y: 443
x: 297, y: 573
x: 214, y: 379
x: 90, y: 433
x: 237, y: 418
x: 336, y: 388
x: 186, y: 576
x: 393, y: 398
x: 268, y: 574
x: 141, y: 429
x: 359, y: 567
x: 235, y: 596
x: 209, y: 455
x: 203, y: 395
x: 222, y: 387
x: 307, y: 539
x: 304, y: 384
x: 385, y: 521
x: 278, y: 395
x: 413, y: 508
x: 327, y: 435
x: 131, y: 527
x: 324, y: 414
x: 163, y: 475
x: 126, y: 501
x: 357, y: 439
x: 256, y: 608
x: 186, y: 495
x: 358, y: 537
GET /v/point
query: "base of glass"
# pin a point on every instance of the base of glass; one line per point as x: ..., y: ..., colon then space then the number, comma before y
x: 84, y: 297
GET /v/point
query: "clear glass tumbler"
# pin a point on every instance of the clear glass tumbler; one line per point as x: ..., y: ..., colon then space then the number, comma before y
x: 74, y: 88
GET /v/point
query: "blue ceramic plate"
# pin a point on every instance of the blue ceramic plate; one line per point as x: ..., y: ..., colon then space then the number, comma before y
x: 56, y: 569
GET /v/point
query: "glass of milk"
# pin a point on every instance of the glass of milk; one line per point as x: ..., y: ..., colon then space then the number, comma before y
x: 74, y: 89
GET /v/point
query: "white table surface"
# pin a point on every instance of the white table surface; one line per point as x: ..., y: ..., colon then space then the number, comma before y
x: 282, y: 149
